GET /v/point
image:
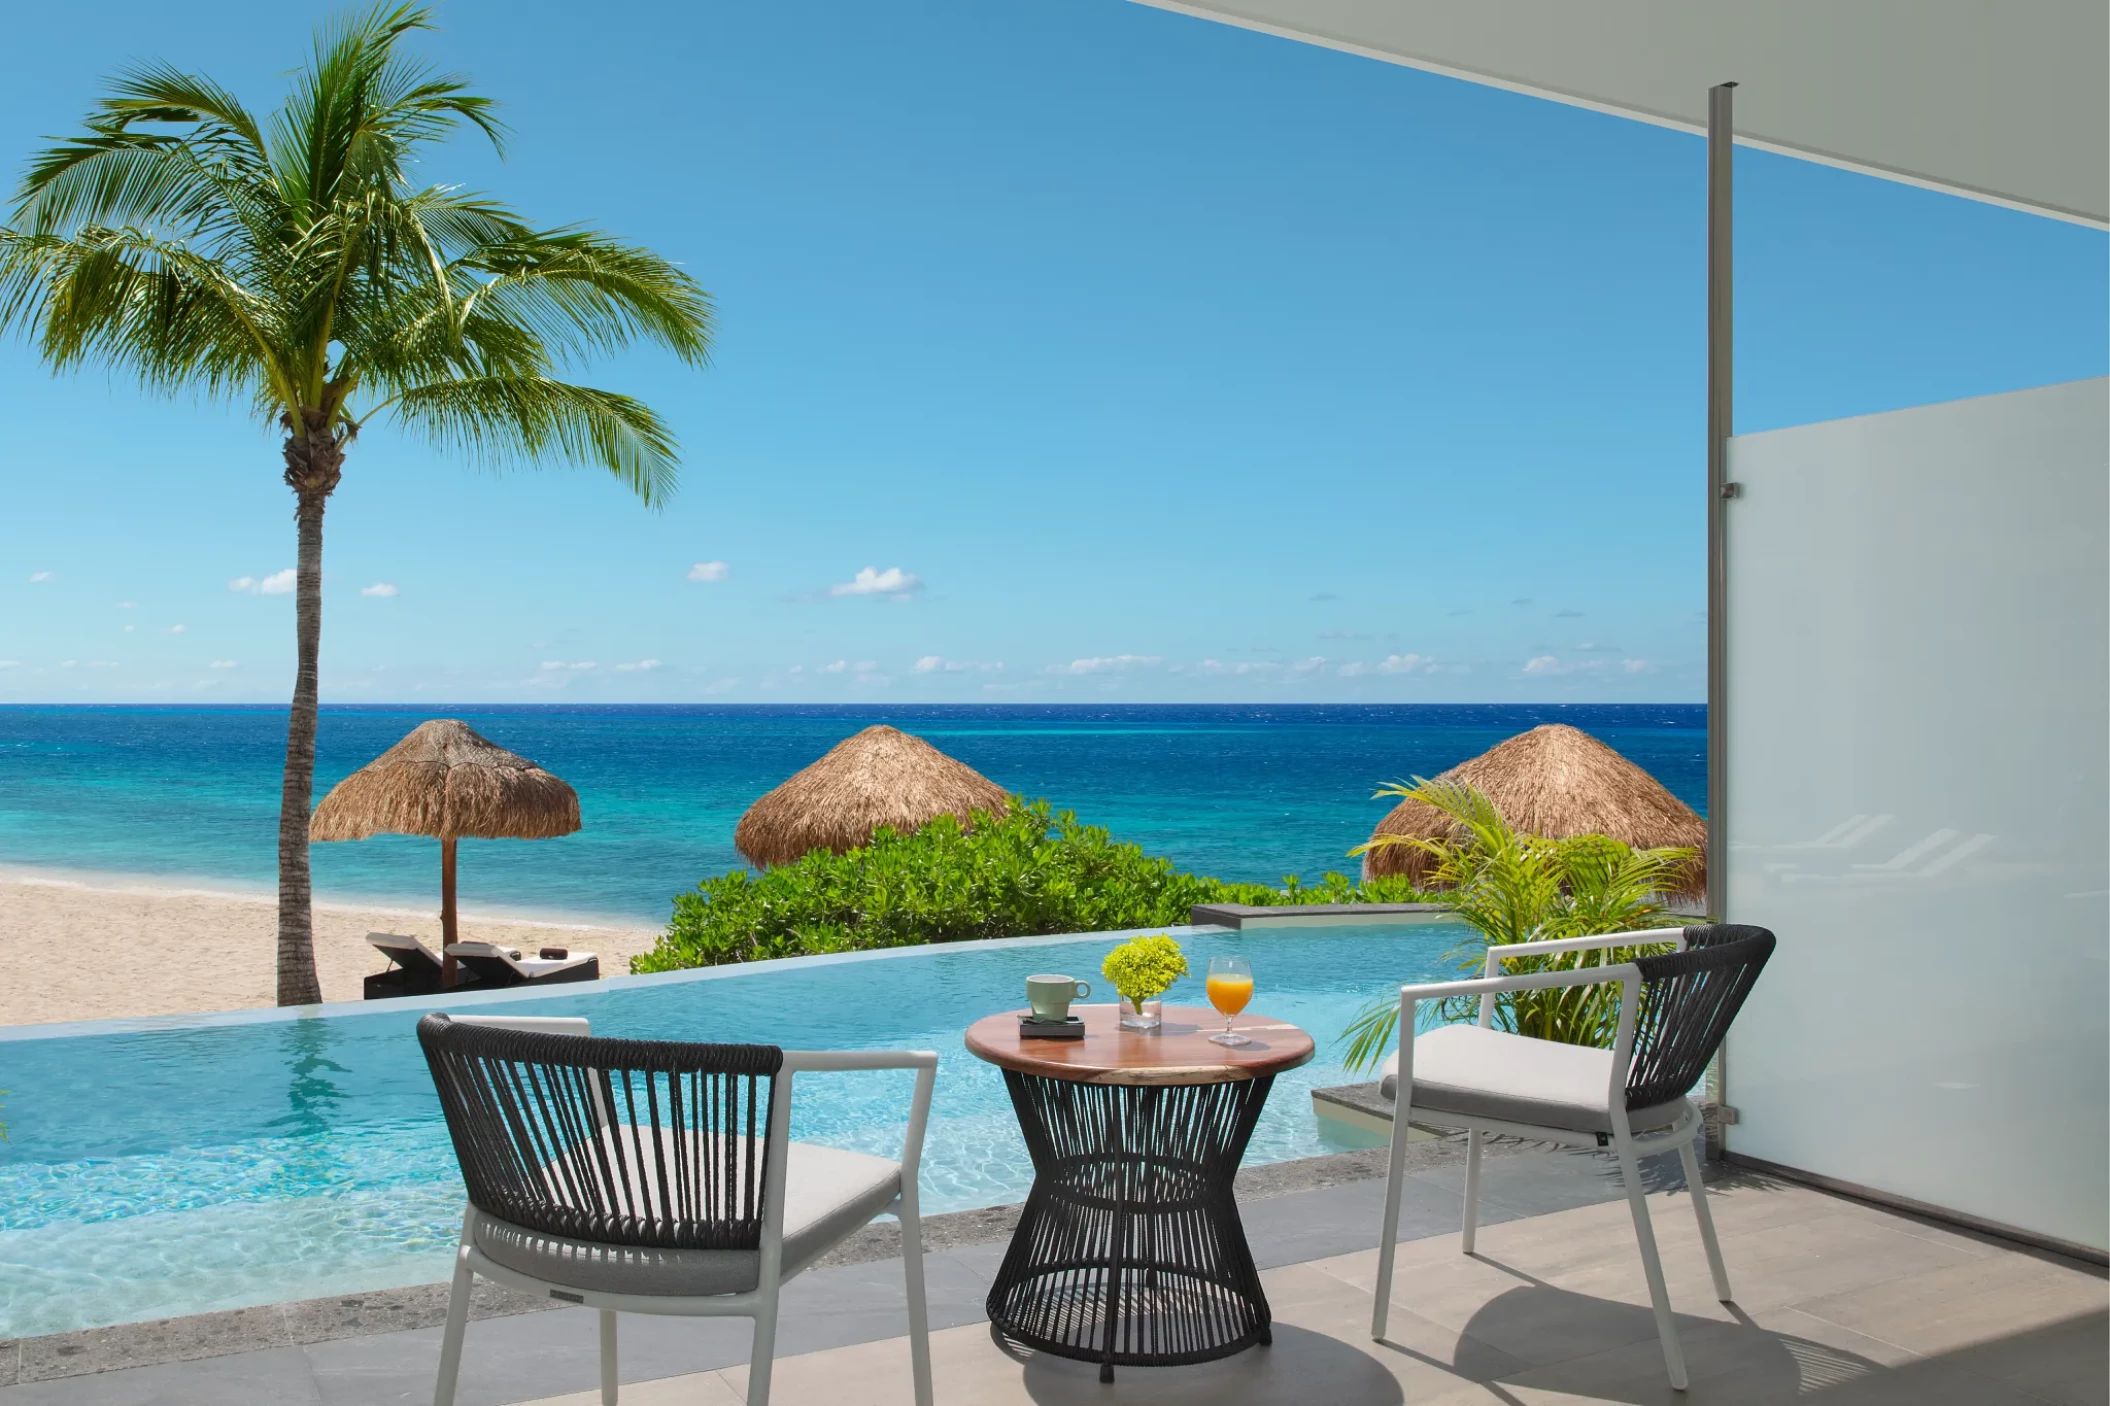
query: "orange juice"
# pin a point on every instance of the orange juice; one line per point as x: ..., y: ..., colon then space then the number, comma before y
x: 1229, y: 994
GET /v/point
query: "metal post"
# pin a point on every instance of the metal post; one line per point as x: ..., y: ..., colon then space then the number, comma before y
x: 1721, y: 307
x: 1720, y: 312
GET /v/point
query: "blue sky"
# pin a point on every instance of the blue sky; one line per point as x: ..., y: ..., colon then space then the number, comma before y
x: 1068, y: 350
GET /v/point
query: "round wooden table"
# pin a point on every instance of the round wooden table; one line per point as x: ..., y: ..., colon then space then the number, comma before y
x: 1129, y: 1251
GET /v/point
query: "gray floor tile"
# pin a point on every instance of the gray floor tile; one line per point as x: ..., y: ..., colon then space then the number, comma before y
x: 277, y: 1376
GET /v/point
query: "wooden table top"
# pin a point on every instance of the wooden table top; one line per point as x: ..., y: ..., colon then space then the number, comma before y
x: 1179, y: 1052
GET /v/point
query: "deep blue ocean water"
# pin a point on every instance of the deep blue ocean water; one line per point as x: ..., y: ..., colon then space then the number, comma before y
x: 1247, y: 792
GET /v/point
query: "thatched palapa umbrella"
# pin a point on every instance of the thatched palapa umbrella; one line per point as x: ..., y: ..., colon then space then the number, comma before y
x: 446, y: 781
x: 881, y: 776
x: 1558, y: 782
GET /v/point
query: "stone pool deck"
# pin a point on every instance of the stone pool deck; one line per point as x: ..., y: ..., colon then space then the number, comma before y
x: 1837, y: 1302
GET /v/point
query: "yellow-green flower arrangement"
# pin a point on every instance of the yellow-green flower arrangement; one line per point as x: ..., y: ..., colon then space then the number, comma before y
x: 1144, y: 968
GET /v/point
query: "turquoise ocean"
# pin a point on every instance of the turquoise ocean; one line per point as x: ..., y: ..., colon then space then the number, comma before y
x: 188, y: 796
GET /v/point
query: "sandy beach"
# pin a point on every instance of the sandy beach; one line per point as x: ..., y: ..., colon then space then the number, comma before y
x: 77, y: 949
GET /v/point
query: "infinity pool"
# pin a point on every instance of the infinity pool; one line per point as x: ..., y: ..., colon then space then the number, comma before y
x: 175, y: 1166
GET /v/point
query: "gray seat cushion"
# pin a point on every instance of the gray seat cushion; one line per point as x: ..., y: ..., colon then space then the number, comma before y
x: 827, y: 1194
x: 1478, y: 1073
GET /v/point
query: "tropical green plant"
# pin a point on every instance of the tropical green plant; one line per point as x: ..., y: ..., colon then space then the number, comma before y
x: 1029, y: 870
x: 1144, y: 968
x: 292, y: 262
x: 1510, y: 887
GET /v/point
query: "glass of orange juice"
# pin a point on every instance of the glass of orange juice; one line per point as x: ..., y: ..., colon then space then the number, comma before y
x: 1230, y: 988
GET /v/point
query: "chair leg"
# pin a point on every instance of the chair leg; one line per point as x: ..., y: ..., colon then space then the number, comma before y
x: 457, y: 1325
x: 764, y: 1356
x: 1651, y: 1264
x: 918, y: 1307
x: 1697, y: 1187
x: 1472, y: 1189
x: 607, y: 1358
x: 1388, y: 1236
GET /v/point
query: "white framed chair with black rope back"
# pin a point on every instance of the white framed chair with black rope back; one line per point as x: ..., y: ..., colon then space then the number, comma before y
x: 1674, y: 1009
x: 651, y: 1176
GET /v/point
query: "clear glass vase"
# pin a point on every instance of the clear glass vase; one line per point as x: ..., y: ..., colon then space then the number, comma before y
x: 1148, y: 1017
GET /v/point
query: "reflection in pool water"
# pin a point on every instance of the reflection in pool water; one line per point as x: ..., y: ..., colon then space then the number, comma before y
x: 209, y: 1163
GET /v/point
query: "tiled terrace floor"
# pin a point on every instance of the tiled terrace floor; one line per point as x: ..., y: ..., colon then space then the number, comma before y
x: 1837, y: 1303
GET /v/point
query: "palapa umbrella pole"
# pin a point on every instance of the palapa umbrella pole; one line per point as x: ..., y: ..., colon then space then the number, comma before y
x: 448, y: 935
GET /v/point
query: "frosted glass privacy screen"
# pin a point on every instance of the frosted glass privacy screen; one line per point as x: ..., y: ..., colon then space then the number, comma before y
x: 1918, y: 775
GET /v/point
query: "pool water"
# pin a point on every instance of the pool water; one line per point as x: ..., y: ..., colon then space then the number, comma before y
x: 180, y: 1166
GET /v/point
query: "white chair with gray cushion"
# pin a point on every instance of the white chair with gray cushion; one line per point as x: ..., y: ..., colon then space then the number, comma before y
x: 641, y: 1176
x: 1674, y: 1010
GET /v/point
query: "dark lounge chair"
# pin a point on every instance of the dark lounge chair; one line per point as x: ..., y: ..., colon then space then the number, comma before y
x: 414, y: 970
x: 494, y: 966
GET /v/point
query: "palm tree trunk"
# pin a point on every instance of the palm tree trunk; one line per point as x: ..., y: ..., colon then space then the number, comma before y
x: 314, y: 462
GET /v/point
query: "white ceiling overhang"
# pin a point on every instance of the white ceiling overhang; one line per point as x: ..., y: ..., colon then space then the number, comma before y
x: 2006, y: 101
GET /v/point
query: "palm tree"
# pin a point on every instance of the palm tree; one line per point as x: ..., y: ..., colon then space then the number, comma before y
x: 294, y: 262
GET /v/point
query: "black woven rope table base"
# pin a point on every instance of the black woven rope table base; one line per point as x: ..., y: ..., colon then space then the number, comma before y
x: 1129, y: 1250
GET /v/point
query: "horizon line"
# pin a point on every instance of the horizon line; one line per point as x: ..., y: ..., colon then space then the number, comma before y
x: 415, y: 704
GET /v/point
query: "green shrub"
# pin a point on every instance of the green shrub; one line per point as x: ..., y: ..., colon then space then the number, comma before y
x: 1026, y: 872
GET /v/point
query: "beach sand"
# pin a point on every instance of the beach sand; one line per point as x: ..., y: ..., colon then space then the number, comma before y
x: 83, y: 950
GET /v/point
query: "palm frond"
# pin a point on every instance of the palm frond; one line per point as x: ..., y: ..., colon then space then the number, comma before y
x: 150, y: 306
x: 497, y: 419
x: 582, y: 291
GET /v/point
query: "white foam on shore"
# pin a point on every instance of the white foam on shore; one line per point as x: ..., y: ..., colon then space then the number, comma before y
x: 234, y: 891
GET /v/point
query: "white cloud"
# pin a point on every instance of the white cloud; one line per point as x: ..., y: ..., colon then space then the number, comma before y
x: 223, y: 664
x: 721, y: 685
x: 102, y: 663
x: 278, y: 583
x: 1547, y: 664
x: 379, y: 588
x: 10, y: 663
x: 642, y: 666
x: 871, y: 581
x: 130, y: 628
x: 1109, y: 664
x: 837, y: 667
x: 1354, y: 670
x: 1636, y: 666
x: 242, y: 583
x: 1244, y: 666
x: 864, y: 666
x: 38, y: 578
x: 1406, y: 664
x: 175, y: 630
x: 709, y: 571
x: 1309, y: 666
x: 938, y: 664
x: 550, y: 666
